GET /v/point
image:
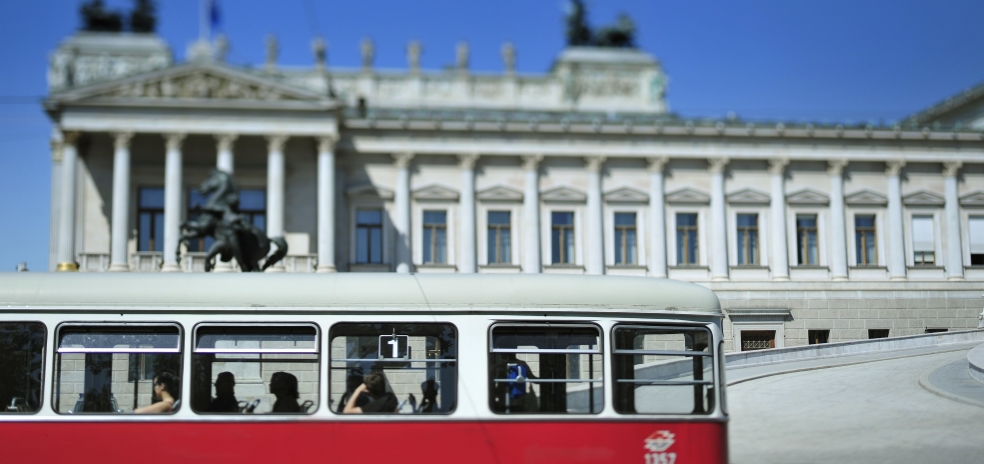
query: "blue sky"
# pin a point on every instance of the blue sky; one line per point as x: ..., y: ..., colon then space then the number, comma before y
x: 835, y: 60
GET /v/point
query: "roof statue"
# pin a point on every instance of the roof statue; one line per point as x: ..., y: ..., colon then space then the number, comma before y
x: 579, y: 34
x: 235, y: 237
x: 97, y: 18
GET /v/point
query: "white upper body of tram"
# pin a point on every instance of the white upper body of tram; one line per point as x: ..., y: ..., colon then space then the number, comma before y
x: 466, y: 347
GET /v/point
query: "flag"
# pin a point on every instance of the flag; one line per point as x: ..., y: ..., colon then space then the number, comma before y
x: 214, y: 14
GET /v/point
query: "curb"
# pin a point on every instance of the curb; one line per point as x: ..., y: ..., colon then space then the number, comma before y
x: 928, y: 386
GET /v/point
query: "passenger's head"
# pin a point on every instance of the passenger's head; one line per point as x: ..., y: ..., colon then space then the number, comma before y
x: 284, y: 384
x: 429, y: 388
x: 167, y: 382
x: 376, y: 383
x: 224, y: 383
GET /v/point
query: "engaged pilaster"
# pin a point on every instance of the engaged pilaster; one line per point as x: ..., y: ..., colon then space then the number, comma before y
x: 838, y: 230
x: 64, y: 147
x: 467, y: 261
x: 402, y: 205
x: 531, y: 213
x: 657, y: 217
x: 595, y: 264
x: 896, y: 247
x: 172, y: 201
x: 777, y: 208
x: 954, y: 247
x: 719, y: 224
x: 118, y: 259
x: 326, y: 203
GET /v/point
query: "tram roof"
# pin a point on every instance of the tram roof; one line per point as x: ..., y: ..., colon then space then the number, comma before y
x: 384, y: 290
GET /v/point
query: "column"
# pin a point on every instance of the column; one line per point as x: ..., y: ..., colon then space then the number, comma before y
x: 275, y: 191
x: 401, y: 199
x: 595, y: 262
x: 467, y: 261
x: 954, y: 247
x: 118, y: 259
x: 224, y: 160
x: 657, y: 217
x: 531, y: 214
x: 326, y: 203
x: 896, y: 247
x: 777, y: 208
x: 66, y: 212
x: 172, y: 201
x: 838, y: 230
x: 719, y: 223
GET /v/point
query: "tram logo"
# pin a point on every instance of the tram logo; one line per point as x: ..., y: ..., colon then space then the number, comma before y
x: 659, y: 441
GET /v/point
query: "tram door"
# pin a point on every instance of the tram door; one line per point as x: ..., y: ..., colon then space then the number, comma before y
x: 752, y: 340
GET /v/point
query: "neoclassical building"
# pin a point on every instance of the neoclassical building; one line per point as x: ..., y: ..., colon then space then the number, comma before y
x: 808, y: 233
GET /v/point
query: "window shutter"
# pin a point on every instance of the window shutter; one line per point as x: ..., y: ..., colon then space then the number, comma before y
x: 976, y: 232
x: 922, y: 233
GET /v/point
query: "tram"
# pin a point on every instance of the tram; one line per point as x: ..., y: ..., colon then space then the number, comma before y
x: 339, y: 367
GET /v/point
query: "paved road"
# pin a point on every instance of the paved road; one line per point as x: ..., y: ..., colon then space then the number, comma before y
x: 866, y: 413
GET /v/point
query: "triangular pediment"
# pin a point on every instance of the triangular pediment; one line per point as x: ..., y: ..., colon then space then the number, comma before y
x: 973, y: 199
x: 564, y: 194
x: 369, y: 190
x: 688, y: 195
x: 500, y: 193
x: 436, y: 192
x: 197, y: 81
x: 808, y: 197
x: 626, y: 195
x: 923, y: 198
x: 866, y: 198
x: 748, y: 197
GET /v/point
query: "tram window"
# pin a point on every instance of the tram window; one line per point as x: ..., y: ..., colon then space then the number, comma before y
x: 103, y: 368
x: 22, y: 348
x: 419, y: 362
x: 546, y: 369
x: 255, y: 369
x: 663, y: 370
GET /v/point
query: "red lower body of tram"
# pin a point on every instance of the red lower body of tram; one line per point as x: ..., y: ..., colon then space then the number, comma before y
x: 433, y: 442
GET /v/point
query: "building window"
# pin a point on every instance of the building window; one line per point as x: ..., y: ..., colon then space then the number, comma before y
x: 816, y: 337
x: 864, y: 240
x: 435, y: 237
x: 500, y: 240
x: 877, y: 333
x: 976, y: 232
x: 934, y: 331
x: 923, y: 245
x: 686, y: 225
x: 806, y: 240
x: 748, y: 241
x: 369, y: 236
x: 625, y: 238
x: 562, y: 237
x: 150, y: 219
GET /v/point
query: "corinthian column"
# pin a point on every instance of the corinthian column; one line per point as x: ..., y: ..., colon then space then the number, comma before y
x: 719, y: 224
x: 326, y: 203
x: 172, y: 201
x: 275, y: 191
x: 838, y: 236
x: 402, y: 200
x: 469, y: 250
x: 118, y: 259
x: 896, y: 248
x: 531, y: 213
x: 65, y: 147
x: 657, y: 217
x: 777, y: 208
x: 954, y: 249
x: 595, y: 264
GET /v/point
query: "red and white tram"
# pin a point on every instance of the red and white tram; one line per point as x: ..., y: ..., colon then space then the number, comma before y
x: 480, y: 368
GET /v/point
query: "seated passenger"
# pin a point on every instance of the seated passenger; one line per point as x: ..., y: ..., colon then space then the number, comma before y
x: 429, y: 388
x: 166, y: 387
x: 513, y: 397
x: 284, y: 386
x: 225, y: 394
x: 352, y: 382
x: 375, y: 387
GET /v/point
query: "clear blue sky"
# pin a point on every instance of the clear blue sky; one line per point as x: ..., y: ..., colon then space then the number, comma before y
x: 833, y: 60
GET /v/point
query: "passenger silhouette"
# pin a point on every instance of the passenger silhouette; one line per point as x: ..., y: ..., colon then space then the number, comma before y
x: 165, y: 392
x: 374, y: 386
x: 284, y: 386
x: 352, y: 382
x: 429, y: 389
x: 225, y: 394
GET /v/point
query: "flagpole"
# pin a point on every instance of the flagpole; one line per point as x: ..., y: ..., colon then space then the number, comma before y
x: 204, y: 22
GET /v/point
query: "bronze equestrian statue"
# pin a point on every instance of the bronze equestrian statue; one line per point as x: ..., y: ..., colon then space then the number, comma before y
x: 235, y: 237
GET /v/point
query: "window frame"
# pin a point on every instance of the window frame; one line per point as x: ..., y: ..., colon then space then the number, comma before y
x: 434, y: 228
x: 562, y: 244
x: 802, y: 244
x: 682, y: 261
x: 498, y: 228
x: 152, y: 212
x: 624, y: 229
x: 919, y: 256
x: 860, y: 241
x: 44, y: 366
x: 369, y: 228
x: 742, y: 247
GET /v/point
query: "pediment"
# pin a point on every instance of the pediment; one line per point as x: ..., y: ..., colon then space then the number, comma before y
x: 626, y: 195
x: 923, y: 198
x: 196, y: 81
x: 748, y: 197
x: 500, y: 193
x: 436, y: 192
x: 688, y: 195
x: 369, y: 190
x: 564, y: 194
x: 808, y: 197
x: 866, y: 198
x: 973, y: 199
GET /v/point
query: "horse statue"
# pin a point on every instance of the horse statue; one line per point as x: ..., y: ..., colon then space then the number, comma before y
x: 235, y: 237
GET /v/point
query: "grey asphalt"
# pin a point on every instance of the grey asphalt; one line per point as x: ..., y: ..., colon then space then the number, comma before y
x: 869, y: 412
